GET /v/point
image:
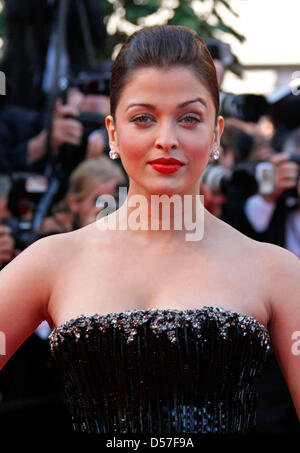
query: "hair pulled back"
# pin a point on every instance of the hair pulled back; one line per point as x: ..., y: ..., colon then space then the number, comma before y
x: 163, y: 46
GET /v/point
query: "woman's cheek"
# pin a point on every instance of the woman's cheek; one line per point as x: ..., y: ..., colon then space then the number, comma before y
x: 134, y: 147
x: 197, y: 150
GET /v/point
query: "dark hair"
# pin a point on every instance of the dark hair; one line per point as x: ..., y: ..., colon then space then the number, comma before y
x: 163, y: 46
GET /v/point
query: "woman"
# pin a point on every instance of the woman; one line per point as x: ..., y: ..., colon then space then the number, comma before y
x: 173, y: 333
x: 89, y: 180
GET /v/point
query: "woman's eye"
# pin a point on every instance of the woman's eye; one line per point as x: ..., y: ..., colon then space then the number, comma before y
x: 141, y: 119
x: 145, y: 119
x: 191, y: 119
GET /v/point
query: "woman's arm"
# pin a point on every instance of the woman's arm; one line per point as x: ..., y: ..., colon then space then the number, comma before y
x: 25, y: 288
x: 284, y: 286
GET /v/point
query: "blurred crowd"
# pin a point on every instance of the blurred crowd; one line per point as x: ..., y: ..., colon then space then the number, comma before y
x: 54, y: 165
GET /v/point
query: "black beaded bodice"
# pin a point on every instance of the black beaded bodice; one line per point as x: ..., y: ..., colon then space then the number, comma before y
x: 161, y: 371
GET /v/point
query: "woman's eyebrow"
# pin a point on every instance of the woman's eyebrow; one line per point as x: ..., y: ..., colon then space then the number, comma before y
x: 183, y: 104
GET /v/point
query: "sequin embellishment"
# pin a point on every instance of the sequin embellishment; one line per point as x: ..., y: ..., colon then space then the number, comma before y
x: 161, y: 371
x: 159, y: 321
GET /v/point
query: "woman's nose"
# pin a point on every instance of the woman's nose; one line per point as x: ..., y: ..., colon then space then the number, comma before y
x: 166, y: 138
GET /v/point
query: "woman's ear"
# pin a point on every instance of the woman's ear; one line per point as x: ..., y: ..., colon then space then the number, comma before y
x: 219, y: 128
x: 112, y: 133
x: 72, y: 203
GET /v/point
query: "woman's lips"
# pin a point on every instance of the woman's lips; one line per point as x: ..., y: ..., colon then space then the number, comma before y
x: 165, y: 168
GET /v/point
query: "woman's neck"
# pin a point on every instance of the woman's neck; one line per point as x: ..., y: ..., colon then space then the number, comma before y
x: 161, y: 217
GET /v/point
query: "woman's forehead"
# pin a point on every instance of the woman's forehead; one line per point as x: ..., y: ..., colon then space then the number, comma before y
x: 179, y: 84
x: 174, y: 74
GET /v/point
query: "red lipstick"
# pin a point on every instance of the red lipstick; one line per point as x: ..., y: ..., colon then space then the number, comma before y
x: 166, y: 164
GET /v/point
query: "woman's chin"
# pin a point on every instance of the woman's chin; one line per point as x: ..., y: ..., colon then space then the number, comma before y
x: 161, y: 186
x: 163, y: 189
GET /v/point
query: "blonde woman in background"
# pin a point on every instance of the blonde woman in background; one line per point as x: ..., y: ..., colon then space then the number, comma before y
x: 93, y: 177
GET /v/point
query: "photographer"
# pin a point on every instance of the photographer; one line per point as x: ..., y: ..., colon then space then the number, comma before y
x: 67, y: 130
x: 23, y: 137
x: 275, y: 217
x: 17, y: 127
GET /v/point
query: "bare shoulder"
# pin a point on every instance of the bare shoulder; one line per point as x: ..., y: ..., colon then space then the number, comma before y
x: 283, y: 276
x: 45, y: 258
x: 64, y: 246
x: 276, y: 269
x: 26, y: 283
x: 62, y: 249
x: 282, y: 280
x: 282, y: 266
x: 272, y: 254
x: 52, y: 250
x: 279, y: 270
x: 244, y: 245
x: 39, y: 262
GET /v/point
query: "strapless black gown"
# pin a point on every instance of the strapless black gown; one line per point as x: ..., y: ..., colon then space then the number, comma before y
x: 161, y: 371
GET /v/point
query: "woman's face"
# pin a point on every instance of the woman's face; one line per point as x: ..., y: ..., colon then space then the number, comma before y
x: 86, y: 209
x: 166, y: 125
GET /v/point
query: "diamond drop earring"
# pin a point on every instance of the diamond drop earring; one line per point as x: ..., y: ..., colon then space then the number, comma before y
x: 113, y: 154
x: 215, y: 154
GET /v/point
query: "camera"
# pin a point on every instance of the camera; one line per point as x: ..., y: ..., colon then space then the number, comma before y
x: 94, y: 83
x: 244, y: 179
x: 70, y: 156
x: 246, y: 107
x: 25, y: 193
x: 89, y: 84
x: 236, y: 183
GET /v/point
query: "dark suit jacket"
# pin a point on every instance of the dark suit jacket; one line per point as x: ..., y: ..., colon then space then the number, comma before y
x: 234, y: 214
x: 17, y: 127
